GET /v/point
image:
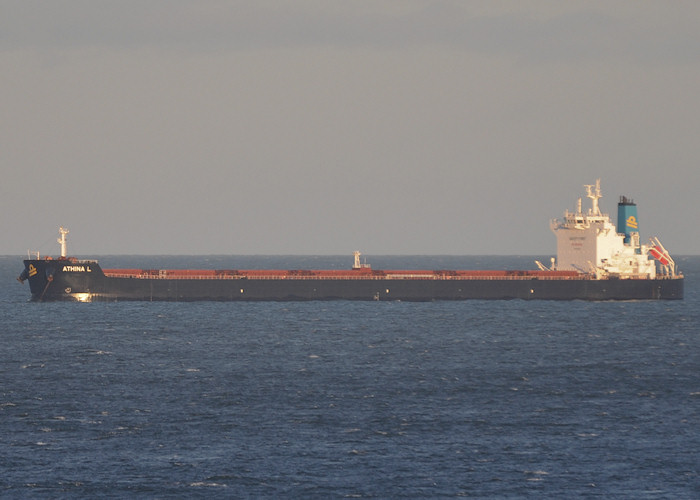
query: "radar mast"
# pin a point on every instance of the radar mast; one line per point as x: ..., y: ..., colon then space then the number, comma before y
x: 594, y: 196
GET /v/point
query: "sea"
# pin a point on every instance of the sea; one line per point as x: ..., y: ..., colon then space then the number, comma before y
x: 476, y: 399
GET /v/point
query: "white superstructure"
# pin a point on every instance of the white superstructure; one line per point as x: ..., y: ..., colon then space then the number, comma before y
x: 590, y: 243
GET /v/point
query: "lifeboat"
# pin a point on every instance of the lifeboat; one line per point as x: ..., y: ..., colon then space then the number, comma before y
x: 660, y: 255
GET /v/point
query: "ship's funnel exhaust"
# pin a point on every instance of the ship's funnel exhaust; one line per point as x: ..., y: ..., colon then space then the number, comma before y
x: 627, y: 222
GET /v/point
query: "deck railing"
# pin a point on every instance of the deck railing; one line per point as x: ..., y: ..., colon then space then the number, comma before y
x: 424, y: 277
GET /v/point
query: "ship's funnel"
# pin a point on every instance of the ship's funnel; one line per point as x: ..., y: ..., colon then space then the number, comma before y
x: 627, y: 222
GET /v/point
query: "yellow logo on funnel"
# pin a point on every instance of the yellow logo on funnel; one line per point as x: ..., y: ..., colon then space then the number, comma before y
x: 632, y: 222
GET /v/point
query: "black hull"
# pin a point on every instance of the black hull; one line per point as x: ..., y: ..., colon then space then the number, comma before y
x: 57, y: 280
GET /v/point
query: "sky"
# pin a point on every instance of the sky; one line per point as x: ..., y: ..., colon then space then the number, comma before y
x: 322, y: 127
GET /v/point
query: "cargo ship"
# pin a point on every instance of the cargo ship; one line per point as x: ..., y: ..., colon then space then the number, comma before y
x: 596, y: 260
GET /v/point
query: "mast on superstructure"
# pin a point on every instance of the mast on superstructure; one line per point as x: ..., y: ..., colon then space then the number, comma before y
x: 62, y: 240
x: 594, y: 196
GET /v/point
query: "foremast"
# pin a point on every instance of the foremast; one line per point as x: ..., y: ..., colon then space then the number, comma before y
x: 62, y: 241
x: 590, y: 243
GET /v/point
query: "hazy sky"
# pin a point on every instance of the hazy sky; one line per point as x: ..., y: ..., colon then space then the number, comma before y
x: 322, y: 127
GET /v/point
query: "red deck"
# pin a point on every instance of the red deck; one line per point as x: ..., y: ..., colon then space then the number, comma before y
x: 363, y: 273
